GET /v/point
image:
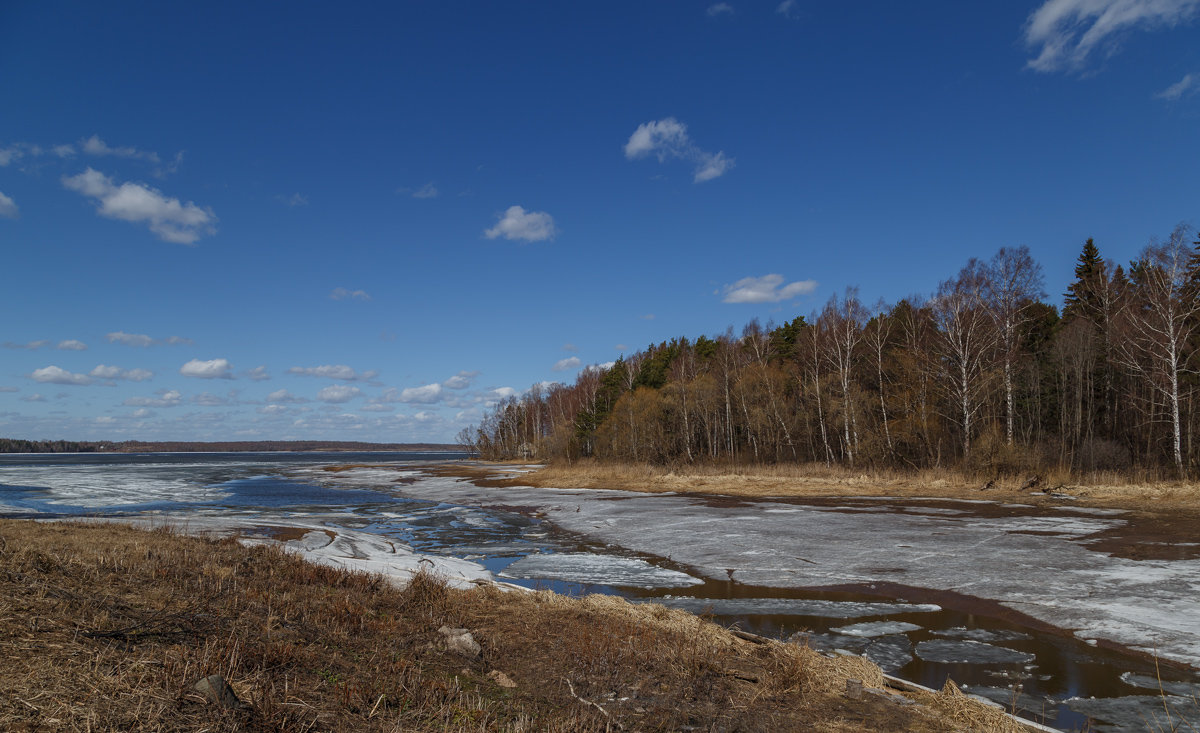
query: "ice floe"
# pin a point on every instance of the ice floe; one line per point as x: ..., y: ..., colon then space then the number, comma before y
x: 598, y: 570
x: 1137, y: 712
x: 948, y: 651
x: 876, y: 628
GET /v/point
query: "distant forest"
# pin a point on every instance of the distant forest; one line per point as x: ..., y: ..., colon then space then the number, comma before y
x: 984, y: 375
x: 9, y: 445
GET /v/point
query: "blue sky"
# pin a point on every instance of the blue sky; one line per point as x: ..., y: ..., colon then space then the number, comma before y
x: 368, y: 223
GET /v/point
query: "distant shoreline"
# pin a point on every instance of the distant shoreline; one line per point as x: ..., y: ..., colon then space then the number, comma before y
x: 9, y: 445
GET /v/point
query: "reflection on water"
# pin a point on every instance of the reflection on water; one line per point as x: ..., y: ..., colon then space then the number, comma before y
x: 1039, y: 673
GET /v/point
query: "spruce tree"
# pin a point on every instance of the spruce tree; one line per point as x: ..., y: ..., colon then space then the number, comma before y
x: 1079, y: 300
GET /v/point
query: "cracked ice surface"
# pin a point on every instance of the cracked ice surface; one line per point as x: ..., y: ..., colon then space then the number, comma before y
x: 598, y: 569
x: 1051, y: 576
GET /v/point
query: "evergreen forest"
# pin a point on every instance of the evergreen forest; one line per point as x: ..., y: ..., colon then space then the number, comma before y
x: 984, y: 375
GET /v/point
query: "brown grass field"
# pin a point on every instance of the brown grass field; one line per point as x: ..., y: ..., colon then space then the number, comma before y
x: 105, y: 628
x: 818, y: 480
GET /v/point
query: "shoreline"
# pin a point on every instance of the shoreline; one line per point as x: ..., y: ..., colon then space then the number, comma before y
x: 806, y: 481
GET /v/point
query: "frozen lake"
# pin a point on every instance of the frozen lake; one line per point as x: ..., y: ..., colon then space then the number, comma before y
x: 1018, y: 604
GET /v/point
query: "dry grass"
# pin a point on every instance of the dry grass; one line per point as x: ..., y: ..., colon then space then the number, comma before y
x: 107, y: 628
x: 818, y: 480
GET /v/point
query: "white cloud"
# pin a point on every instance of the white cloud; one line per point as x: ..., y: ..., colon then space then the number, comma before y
x: 282, y: 396
x: 273, y: 410
x: 337, y: 394
x: 257, y: 374
x: 165, y: 398
x: 103, y: 371
x: 63, y: 151
x: 344, y: 294
x: 785, y: 8
x: 334, y: 371
x: 211, y: 369
x: 719, y: 9
x: 376, y: 407
x: 428, y: 191
x: 1065, y: 33
x: 95, y: 146
x: 10, y: 389
x: 647, y: 317
x: 562, y: 365
x: 57, y: 375
x: 171, y: 220
x: 462, y: 380
x: 517, y: 223
x: 766, y: 289
x: 71, y: 345
x: 668, y: 138
x: 1186, y: 86
x: 296, y: 199
x: 35, y: 397
x: 8, y: 207
x: 426, y: 395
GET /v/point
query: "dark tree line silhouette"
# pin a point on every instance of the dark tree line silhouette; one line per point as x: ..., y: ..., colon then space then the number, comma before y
x: 984, y: 375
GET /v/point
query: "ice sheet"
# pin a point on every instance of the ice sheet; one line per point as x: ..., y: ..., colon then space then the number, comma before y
x: 599, y: 570
x: 947, y: 651
x: 876, y: 628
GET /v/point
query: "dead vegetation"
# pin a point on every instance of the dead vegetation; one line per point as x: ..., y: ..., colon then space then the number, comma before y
x: 109, y: 628
x: 812, y: 480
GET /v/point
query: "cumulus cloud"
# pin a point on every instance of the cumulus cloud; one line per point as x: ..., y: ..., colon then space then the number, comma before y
x: 1066, y: 33
x: 426, y: 395
x: 503, y: 393
x: 344, y: 294
x: 337, y: 394
x: 103, y: 371
x: 766, y: 289
x: 1186, y: 86
x: 171, y: 220
x: 334, y: 371
x: 562, y: 365
x: 462, y: 380
x: 71, y: 345
x: 57, y: 375
x: 668, y: 139
x: 141, y: 339
x: 719, y: 9
x: 165, y: 398
x: 8, y: 207
x: 517, y: 223
x: 211, y: 369
x: 34, y: 398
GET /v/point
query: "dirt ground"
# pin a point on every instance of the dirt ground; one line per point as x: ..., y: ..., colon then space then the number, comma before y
x: 104, y: 627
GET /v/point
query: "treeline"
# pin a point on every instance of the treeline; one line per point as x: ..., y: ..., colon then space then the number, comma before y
x: 982, y: 375
x: 14, y: 445
x: 9, y: 445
